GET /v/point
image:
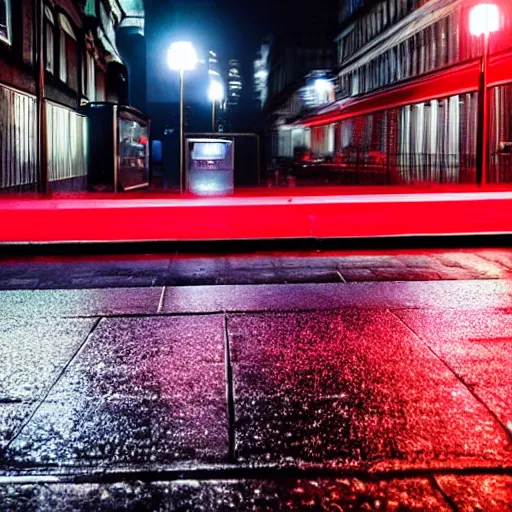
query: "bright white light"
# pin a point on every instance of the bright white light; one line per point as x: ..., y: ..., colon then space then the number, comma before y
x: 323, y: 86
x: 323, y: 90
x: 484, y: 19
x: 216, y: 91
x: 209, y: 151
x: 262, y: 74
x: 182, y: 56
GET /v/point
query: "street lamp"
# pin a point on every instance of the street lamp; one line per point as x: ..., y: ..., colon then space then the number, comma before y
x: 323, y: 89
x: 216, y: 94
x: 182, y: 57
x: 484, y: 19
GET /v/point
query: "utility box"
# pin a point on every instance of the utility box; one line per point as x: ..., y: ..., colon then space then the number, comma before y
x: 117, y: 147
x: 210, y: 166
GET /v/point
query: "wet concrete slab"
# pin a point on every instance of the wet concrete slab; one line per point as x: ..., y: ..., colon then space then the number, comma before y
x: 99, y: 432
x: 90, y: 302
x: 477, y: 346
x: 482, y: 267
x: 352, y: 388
x: 460, y: 295
x: 12, y: 416
x: 33, y: 353
x: 492, y: 493
x: 351, y: 494
x: 190, y: 269
x: 142, y: 390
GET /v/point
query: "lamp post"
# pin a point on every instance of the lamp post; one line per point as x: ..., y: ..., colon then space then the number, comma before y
x: 182, y: 57
x: 216, y: 94
x: 484, y: 19
x: 42, y: 142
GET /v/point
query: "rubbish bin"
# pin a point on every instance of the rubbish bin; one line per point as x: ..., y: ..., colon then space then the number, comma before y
x: 210, y: 169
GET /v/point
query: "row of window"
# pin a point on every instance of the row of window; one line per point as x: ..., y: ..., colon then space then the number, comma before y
x: 364, y: 29
x: 435, y: 47
x: 444, y: 42
x: 61, y: 60
x: 61, y: 49
x: 500, y: 146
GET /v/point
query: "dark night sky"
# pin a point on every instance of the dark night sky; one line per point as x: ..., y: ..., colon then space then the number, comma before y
x: 232, y: 28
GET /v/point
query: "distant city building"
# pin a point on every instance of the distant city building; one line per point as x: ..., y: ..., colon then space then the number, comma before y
x: 213, y: 65
x: 234, y: 84
x: 300, y: 78
x: 261, y: 70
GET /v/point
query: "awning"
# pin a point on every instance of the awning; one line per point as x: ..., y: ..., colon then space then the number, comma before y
x: 113, y: 54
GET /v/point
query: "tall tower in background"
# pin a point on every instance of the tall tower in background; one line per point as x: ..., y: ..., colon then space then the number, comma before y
x: 234, y: 84
x: 261, y: 72
x: 213, y: 65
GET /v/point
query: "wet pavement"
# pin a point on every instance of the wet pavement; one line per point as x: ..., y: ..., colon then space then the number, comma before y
x: 373, y: 395
x: 178, y: 268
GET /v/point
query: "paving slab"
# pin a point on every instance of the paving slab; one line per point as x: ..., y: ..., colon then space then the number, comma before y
x: 122, y: 430
x: 142, y: 390
x: 363, y: 261
x: 229, y: 276
x: 409, y: 274
x: 414, y: 494
x: 358, y: 275
x: 352, y: 388
x: 477, y: 346
x: 489, y: 493
x: 90, y: 302
x: 457, y: 295
x: 255, y: 268
x: 33, y: 352
x: 32, y: 355
x: 501, y: 257
x: 481, y: 266
x: 12, y: 415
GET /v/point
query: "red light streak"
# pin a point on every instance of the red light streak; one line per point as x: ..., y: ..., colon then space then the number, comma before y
x: 300, y: 214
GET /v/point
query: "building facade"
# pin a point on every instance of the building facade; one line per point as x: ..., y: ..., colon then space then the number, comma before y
x: 409, y: 94
x: 55, y: 57
x: 295, y: 76
x: 234, y: 84
x: 260, y: 76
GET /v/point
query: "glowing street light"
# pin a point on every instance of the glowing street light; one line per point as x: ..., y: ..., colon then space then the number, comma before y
x: 182, y: 57
x: 484, y: 19
x: 216, y: 94
x: 323, y: 89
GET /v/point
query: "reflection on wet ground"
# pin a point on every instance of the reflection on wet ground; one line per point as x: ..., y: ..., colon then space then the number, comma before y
x: 362, y: 396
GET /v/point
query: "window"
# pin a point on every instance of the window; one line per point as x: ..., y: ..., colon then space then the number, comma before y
x: 67, y: 52
x: 91, y: 77
x: 5, y: 21
x: 442, y: 35
x: 50, y: 40
x: 63, y: 61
